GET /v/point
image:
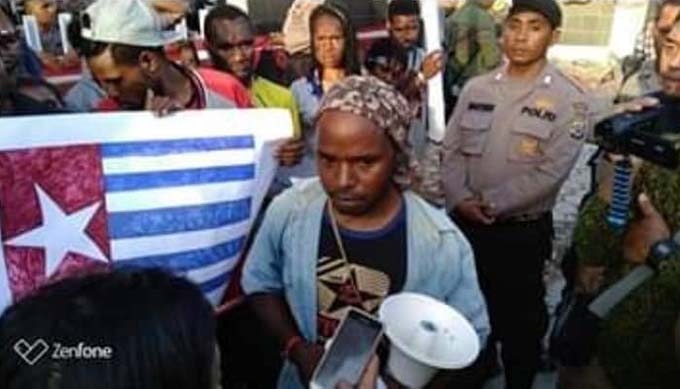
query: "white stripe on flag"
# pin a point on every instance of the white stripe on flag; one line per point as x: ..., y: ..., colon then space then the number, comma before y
x: 162, y: 163
x: 132, y: 248
x: 207, y: 273
x: 24, y: 132
x: 215, y: 297
x: 182, y: 196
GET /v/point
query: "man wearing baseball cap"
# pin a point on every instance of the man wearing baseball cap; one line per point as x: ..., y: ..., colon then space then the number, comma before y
x: 512, y: 140
x: 123, y: 43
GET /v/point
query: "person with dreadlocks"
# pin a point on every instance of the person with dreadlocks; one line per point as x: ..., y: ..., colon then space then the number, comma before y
x: 356, y: 234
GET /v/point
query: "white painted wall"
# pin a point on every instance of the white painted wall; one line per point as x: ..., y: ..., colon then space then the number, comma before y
x: 629, y: 21
x: 435, y: 99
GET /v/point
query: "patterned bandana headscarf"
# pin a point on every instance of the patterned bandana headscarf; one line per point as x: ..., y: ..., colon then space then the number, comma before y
x: 368, y: 97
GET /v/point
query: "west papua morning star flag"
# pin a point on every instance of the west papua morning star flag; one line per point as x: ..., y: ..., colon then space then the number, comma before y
x: 130, y: 189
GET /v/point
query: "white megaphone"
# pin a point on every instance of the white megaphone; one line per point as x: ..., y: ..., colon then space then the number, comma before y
x: 426, y: 335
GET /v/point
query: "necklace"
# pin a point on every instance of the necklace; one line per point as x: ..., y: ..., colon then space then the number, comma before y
x: 341, y: 246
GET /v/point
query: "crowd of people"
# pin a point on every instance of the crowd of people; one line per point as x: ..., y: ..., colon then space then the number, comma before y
x: 365, y: 203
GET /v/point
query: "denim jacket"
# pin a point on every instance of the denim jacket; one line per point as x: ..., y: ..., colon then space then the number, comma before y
x: 283, y: 260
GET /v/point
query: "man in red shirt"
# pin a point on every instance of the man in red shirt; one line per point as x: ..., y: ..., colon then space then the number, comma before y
x: 123, y: 43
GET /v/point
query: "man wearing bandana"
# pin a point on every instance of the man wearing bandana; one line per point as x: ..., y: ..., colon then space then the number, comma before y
x: 356, y: 234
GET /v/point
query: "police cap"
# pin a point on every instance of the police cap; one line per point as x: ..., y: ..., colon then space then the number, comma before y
x: 548, y: 8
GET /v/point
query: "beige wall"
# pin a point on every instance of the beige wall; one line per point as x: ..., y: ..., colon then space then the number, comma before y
x: 600, y: 29
x: 588, y: 24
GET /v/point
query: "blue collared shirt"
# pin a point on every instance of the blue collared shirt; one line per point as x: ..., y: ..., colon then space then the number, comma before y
x: 283, y: 260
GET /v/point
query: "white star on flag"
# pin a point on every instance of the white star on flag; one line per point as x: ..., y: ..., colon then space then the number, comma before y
x: 60, y: 233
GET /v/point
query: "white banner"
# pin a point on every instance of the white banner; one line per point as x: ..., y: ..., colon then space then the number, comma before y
x: 132, y: 190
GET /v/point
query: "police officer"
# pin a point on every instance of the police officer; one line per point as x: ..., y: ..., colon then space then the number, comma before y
x: 510, y: 144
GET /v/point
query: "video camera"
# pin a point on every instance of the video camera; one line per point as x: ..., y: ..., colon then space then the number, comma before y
x: 646, y: 134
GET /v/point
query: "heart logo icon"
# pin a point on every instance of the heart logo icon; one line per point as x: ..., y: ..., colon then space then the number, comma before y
x: 31, y: 353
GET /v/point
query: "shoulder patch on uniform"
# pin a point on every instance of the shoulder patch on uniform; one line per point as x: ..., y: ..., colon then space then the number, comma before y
x: 577, y: 132
x: 578, y: 126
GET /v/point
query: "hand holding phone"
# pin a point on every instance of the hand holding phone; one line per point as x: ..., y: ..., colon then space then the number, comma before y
x: 350, y: 351
x: 307, y: 357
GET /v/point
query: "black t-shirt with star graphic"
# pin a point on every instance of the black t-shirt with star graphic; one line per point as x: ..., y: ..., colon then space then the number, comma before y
x: 376, y: 269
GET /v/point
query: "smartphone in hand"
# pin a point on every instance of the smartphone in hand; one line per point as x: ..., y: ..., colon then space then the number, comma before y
x: 350, y: 351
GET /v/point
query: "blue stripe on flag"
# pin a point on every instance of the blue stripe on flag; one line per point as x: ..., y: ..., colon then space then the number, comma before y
x: 176, y: 146
x: 138, y: 181
x: 175, y: 220
x: 189, y: 260
x: 211, y: 285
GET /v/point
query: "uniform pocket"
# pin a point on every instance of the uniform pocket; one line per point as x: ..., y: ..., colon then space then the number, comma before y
x: 528, y: 140
x: 475, y: 126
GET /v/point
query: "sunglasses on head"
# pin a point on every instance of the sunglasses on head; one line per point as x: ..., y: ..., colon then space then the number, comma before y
x: 8, y: 37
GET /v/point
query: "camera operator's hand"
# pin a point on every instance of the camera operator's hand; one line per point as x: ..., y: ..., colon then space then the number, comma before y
x: 635, y: 105
x: 644, y: 232
x: 306, y: 356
